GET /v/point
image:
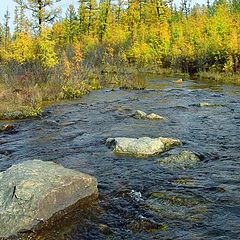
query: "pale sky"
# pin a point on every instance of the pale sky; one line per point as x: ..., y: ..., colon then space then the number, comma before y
x: 9, y: 4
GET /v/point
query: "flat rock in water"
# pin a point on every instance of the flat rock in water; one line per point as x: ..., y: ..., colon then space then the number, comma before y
x: 142, y: 115
x: 184, y: 159
x: 33, y: 191
x: 144, y: 146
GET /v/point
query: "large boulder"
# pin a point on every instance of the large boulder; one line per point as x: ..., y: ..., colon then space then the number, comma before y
x: 33, y: 191
x: 143, y: 146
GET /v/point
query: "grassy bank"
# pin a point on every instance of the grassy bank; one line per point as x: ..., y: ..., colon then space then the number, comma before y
x: 24, y: 95
x: 25, y: 90
x: 225, y: 78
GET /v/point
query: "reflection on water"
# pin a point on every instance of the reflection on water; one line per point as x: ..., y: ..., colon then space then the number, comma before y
x: 139, y: 198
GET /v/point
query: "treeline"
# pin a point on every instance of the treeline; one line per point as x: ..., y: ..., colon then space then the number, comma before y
x: 139, y: 32
x: 108, y: 36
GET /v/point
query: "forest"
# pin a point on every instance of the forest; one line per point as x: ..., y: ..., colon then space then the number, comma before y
x: 49, y: 57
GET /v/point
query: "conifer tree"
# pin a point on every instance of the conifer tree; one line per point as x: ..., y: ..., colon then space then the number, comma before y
x: 71, y: 23
x: 6, y: 29
x: 43, y: 11
x: 20, y: 21
x: 104, y: 13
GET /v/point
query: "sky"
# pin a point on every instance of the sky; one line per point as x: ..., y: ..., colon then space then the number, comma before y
x: 9, y: 4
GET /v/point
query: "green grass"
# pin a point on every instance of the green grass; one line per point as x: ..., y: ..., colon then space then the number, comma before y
x: 219, y: 77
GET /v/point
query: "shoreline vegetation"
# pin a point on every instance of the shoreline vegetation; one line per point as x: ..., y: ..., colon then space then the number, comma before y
x: 111, y: 44
x: 23, y: 102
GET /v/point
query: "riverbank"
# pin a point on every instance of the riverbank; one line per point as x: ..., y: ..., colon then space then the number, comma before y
x: 26, y: 99
x: 225, y: 78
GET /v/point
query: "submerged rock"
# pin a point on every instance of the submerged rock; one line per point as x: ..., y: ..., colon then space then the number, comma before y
x: 142, y: 115
x: 184, y: 159
x: 123, y: 110
x: 147, y: 225
x: 177, y: 206
x: 206, y: 104
x: 133, y: 98
x: 105, y: 229
x: 7, y: 128
x: 33, y: 191
x: 143, y: 146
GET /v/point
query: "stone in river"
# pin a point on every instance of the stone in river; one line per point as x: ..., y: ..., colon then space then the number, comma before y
x: 143, y: 146
x: 142, y: 115
x: 184, y: 159
x: 33, y: 191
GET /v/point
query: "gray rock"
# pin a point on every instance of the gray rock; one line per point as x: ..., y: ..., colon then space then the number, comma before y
x: 184, y: 159
x: 139, y: 114
x: 33, y: 191
x: 154, y: 116
x: 142, y: 115
x: 144, y: 146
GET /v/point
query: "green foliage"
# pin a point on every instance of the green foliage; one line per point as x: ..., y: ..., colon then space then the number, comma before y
x: 21, y: 112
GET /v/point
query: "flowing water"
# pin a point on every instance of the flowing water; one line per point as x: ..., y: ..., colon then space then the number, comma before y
x: 139, y: 198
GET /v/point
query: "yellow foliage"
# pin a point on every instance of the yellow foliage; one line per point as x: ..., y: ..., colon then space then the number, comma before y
x: 142, y: 32
x: 78, y: 56
x: 67, y: 68
x: 58, y: 34
x: 22, y: 48
x: 46, y: 49
x: 5, y: 55
x: 228, y: 66
x: 140, y: 52
x: 116, y: 35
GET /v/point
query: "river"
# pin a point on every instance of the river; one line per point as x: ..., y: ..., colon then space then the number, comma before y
x: 139, y: 198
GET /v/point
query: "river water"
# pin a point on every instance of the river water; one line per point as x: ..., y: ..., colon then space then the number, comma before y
x: 139, y: 198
